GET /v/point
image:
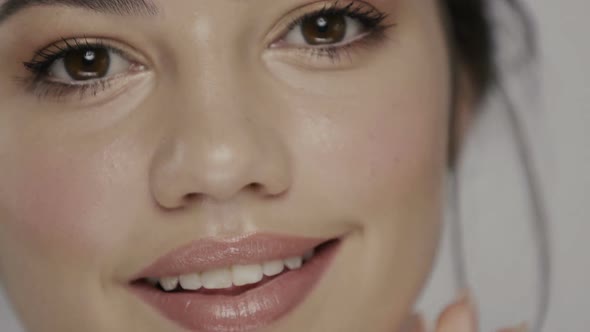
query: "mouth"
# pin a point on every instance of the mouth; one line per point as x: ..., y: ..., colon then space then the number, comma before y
x: 235, y: 285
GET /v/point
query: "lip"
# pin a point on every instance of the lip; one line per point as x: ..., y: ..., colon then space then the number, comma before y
x: 251, y: 309
x: 211, y: 253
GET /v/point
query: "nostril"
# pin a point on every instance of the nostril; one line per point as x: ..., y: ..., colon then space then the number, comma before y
x: 260, y: 189
x: 191, y: 197
x: 256, y: 187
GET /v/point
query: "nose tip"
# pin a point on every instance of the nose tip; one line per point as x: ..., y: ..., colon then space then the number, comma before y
x: 217, y: 169
x: 220, y: 136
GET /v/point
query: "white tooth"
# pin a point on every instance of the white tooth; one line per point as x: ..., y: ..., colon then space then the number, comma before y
x: 191, y: 281
x: 273, y: 268
x: 216, y: 279
x: 294, y: 263
x: 308, y: 255
x: 246, y: 274
x: 169, y: 283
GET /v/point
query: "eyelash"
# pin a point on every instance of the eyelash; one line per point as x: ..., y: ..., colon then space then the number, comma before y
x: 371, y: 19
x: 43, y: 59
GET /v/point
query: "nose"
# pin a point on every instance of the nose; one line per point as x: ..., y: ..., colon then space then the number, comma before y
x: 218, y: 149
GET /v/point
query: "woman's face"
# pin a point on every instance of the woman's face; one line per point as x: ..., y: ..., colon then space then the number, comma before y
x: 153, y: 140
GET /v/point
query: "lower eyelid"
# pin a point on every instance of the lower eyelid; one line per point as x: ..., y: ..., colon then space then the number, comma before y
x: 348, y: 55
x: 89, y: 92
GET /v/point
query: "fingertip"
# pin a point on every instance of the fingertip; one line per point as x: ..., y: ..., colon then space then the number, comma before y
x: 415, y: 323
x: 461, y: 316
x: 521, y: 328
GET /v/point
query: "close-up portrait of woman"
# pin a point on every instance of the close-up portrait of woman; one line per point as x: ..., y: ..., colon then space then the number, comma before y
x: 244, y: 165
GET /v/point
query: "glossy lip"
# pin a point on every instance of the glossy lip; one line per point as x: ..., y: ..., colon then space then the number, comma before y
x: 211, y: 253
x: 252, y: 309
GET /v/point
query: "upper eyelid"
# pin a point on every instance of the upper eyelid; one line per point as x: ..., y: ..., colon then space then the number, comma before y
x: 285, y: 24
x: 43, y: 86
x: 295, y: 16
x: 53, y: 51
x: 121, y: 48
x: 350, y: 9
x: 40, y: 63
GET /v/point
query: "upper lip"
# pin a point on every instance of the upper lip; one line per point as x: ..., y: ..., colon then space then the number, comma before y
x: 212, y: 253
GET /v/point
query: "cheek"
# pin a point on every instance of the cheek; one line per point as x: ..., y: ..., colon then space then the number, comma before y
x: 64, y: 184
x: 61, y: 201
x: 398, y: 151
x: 48, y: 200
x: 388, y: 175
x: 378, y: 151
x: 378, y: 161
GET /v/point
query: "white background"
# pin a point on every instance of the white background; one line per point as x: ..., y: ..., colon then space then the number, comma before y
x: 499, y: 245
x: 565, y: 29
x: 505, y: 292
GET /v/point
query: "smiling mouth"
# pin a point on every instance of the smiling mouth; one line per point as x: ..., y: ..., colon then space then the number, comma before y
x: 244, y: 285
x: 232, y: 280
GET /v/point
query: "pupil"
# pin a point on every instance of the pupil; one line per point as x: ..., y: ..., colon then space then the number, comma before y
x: 87, y: 64
x: 324, y: 29
x: 322, y: 23
x: 89, y: 56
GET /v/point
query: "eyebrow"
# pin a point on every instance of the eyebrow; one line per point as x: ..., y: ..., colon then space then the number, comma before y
x: 117, y: 7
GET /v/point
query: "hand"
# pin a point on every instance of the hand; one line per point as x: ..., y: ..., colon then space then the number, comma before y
x: 460, y: 316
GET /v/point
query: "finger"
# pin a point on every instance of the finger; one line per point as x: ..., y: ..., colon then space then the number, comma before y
x: 521, y: 328
x: 415, y: 323
x: 460, y: 316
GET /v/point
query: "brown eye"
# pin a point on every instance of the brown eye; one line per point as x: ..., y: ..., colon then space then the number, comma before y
x: 87, y: 63
x: 324, y: 29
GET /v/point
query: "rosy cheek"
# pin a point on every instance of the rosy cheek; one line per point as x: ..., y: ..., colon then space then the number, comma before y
x: 393, y: 167
x: 379, y: 153
x: 54, y: 202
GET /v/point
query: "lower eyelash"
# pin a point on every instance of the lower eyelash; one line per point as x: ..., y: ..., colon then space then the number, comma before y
x: 57, y: 90
x: 40, y: 86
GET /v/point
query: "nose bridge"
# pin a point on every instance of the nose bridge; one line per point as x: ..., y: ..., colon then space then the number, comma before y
x: 219, y: 145
x: 217, y: 116
x: 218, y: 153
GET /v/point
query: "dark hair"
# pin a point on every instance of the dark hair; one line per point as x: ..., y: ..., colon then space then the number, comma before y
x: 468, y: 32
x: 473, y: 42
x: 470, y: 35
x: 474, y: 48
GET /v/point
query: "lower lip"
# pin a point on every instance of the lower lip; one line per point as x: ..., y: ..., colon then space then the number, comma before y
x: 251, y: 310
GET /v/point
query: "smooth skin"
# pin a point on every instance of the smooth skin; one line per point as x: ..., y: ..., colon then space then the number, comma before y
x: 216, y: 133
